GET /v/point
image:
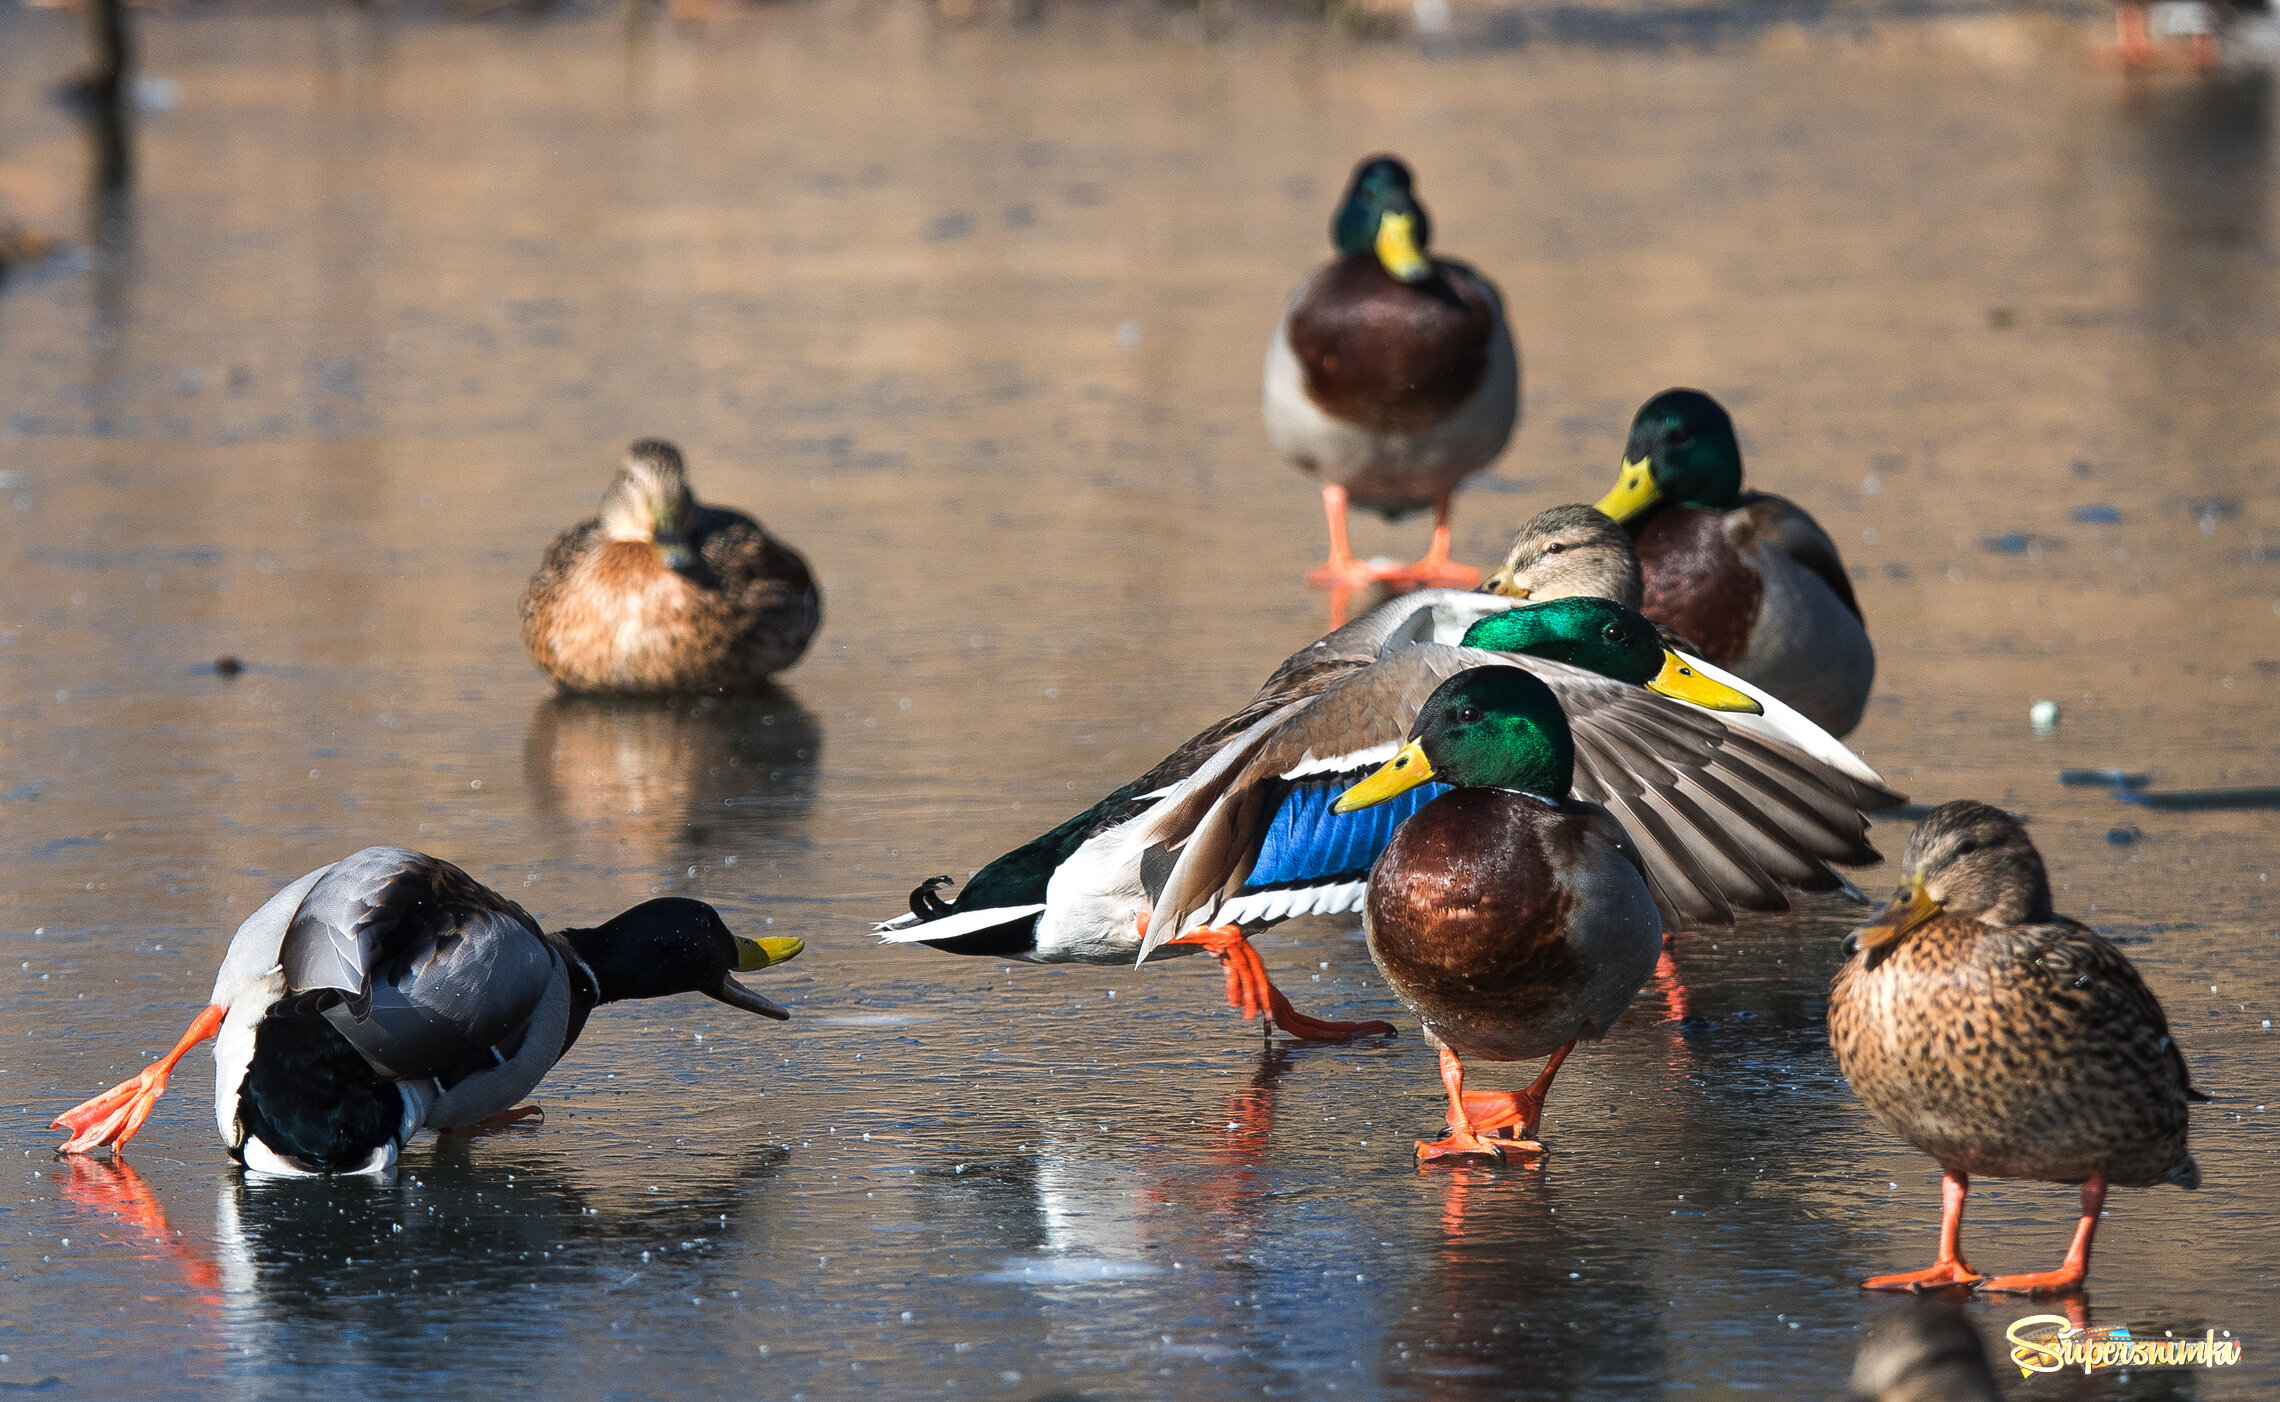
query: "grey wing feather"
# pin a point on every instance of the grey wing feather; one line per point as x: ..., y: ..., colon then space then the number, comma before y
x: 1721, y: 819
x: 432, y: 967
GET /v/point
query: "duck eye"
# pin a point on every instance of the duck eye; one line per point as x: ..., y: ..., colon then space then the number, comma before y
x: 1966, y: 847
x: 1469, y: 714
x: 1555, y: 547
x: 1613, y: 633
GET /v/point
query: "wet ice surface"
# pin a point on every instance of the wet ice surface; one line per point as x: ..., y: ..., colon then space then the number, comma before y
x: 974, y: 317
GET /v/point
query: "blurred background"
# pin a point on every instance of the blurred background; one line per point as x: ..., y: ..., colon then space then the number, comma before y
x: 320, y: 321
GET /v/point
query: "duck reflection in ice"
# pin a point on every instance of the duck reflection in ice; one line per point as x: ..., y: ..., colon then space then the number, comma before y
x: 1078, y: 1214
x: 473, y: 1252
x: 651, y: 784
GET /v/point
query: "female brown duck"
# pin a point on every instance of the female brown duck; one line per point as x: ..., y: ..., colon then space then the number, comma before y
x: 659, y: 595
x: 2004, y: 1040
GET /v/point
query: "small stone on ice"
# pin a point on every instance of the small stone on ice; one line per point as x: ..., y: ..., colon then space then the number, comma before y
x: 2043, y: 715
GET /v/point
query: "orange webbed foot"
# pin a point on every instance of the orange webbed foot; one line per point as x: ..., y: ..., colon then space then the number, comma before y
x: 1313, y: 1029
x: 1467, y: 1143
x: 1348, y: 573
x: 114, y: 1116
x: 1943, y: 1276
x: 1502, y: 1110
x: 2066, y: 1280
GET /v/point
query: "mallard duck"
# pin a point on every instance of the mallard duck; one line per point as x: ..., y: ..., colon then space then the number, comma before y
x: 1392, y: 375
x: 390, y: 992
x: 660, y: 595
x: 1749, y: 577
x: 1566, y: 551
x: 1924, y: 1351
x: 1730, y: 797
x: 2005, y: 1040
x: 1511, y: 917
x: 1079, y: 893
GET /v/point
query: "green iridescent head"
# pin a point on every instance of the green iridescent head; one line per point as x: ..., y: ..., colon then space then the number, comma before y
x: 1489, y: 728
x: 1612, y: 639
x: 1681, y: 452
x: 1380, y: 214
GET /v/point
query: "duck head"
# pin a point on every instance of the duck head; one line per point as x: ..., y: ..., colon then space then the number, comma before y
x: 673, y: 945
x: 1966, y: 859
x: 1600, y: 635
x: 1681, y: 451
x: 1380, y: 214
x: 649, y: 501
x: 1566, y: 551
x: 1489, y: 728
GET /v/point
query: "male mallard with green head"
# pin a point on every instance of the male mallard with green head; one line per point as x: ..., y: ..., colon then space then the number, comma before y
x: 1514, y: 920
x: 2005, y: 1040
x: 1749, y: 576
x: 660, y: 595
x: 1392, y: 375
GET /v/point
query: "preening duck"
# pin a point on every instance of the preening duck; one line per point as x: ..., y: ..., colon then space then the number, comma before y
x: 1081, y: 892
x: 1392, y: 375
x: 2005, y: 1040
x: 1749, y: 577
x: 1513, y: 918
x: 660, y: 595
x: 1730, y: 798
x: 391, y: 992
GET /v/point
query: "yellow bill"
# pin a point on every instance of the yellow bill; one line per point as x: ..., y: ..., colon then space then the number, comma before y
x: 1397, y: 776
x: 754, y: 955
x: 1680, y: 682
x: 1633, y: 493
x: 1909, y: 909
x: 1397, y: 248
x: 1501, y: 582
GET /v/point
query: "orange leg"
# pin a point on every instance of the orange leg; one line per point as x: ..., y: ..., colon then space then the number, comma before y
x: 1464, y: 1139
x: 1250, y: 990
x: 1513, y: 1114
x: 1950, y: 1268
x: 1342, y: 571
x: 2076, y: 1267
x: 1437, y: 570
x: 500, y: 1121
x: 115, y: 1115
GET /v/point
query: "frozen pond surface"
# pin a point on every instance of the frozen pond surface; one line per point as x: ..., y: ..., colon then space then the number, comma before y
x: 975, y: 317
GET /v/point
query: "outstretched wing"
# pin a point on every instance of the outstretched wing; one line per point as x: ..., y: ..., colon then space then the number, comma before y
x: 1723, y: 816
x: 429, y: 968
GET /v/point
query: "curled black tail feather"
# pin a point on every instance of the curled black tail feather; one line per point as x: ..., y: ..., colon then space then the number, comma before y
x: 925, y: 904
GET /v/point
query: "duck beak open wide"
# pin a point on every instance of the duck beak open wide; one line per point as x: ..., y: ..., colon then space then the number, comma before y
x: 1634, y: 491
x: 1909, y: 909
x: 1680, y: 682
x: 1397, y: 776
x: 751, y: 957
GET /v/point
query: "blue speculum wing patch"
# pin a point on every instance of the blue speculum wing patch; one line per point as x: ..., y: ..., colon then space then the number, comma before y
x: 1307, y: 842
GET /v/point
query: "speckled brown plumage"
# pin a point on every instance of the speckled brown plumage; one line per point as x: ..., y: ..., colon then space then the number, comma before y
x: 2003, y: 1039
x: 1473, y: 913
x: 608, y: 614
x: 1391, y: 356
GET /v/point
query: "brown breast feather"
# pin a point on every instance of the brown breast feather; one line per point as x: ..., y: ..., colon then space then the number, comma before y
x: 1390, y: 356
x: 1697, y: 582
x: 1466, y: 918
